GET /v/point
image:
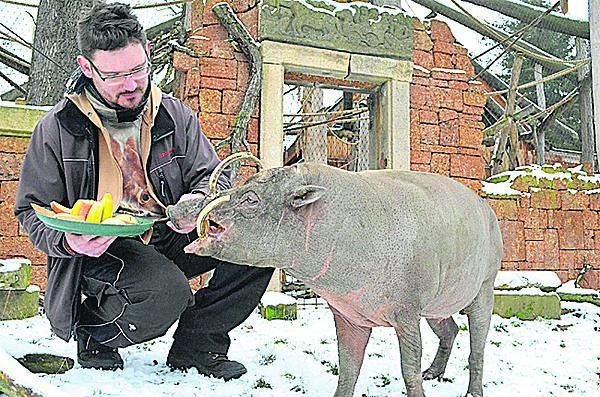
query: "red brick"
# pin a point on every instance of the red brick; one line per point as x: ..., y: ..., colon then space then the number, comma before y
x: 10, y: 166
x: 445, y: 47
x: 442, y: 60
x: 253, y: 131
x: 505, y: 209
x: 458, y: 85
x: 524, y: 201
x: 184, y: 62
x: 463, y: 62
x: 595, y: 201
x: 544, y: 198
x: 441, y: 31
x: 428, y: 117
x: 473, y: 98
x: 449, y: 134
x: 447, y: 115
x: 591, y: 219
x: 423, y: 59
x: 419, y: 96
x: 218, y: 84
x: 38, y: 276
x: 551, y: 255
x: 193, y: 103
x: 420, y: 157
x: 533, y: 218
x: 509, y: 265
x: 11, y: 247
x: 535, y: 251
x: 572, y: 260
x: 420, y: 167
x: 476, y: 110
x: 534, y: 234
x: 421, y: 42
x: 448, y: 75
x: 570, y: 229
x: 513, y: 236
x: 221, y: 68
x: 446, y: 98
x: 210, y: 100
x: 470, y: 137
x: 473, y: 184
x: 232, y: 101
x: 249, y: 19
x: 192, y: 82
x: 14, y: 145
x: 215, y: 125
x: 440, y: 163
x: 588, y: 240
x: 9, y: 226
x: 430, y: 134
x: 591, y: 280
x: 471, y: 123
x: 466, y: 166
x: 577, y: 201
x: 8, y: 191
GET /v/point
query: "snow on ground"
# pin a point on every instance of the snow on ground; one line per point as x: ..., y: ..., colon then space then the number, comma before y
x: 523, y: 358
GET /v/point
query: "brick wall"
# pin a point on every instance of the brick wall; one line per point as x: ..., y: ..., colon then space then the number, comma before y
x: 552, y: 229
x: 13, y: 239
x: 445, y: 109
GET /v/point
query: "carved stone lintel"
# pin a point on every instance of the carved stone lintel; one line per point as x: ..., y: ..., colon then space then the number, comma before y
x: 356, y: 27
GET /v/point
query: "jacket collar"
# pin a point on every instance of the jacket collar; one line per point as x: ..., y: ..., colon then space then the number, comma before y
x: 77, y: 123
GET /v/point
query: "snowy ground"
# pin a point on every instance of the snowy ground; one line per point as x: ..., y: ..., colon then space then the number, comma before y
x: 535, y: 358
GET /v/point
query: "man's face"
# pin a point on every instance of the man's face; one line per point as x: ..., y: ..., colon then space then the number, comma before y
x: 120, y: 75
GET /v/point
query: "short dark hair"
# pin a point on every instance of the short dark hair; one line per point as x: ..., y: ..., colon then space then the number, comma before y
x: 108, y: 26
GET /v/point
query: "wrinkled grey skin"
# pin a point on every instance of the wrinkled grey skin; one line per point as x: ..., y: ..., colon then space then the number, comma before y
x: 384, y: 248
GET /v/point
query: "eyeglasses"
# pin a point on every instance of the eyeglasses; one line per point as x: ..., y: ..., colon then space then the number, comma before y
x: 138, y: 73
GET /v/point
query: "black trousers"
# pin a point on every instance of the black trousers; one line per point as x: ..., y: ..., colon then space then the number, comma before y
x: 135, y: 292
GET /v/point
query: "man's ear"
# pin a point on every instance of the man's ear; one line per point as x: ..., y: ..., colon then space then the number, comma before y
x: 85, y: 66
x: 148, y: 48
x: 306, y: 194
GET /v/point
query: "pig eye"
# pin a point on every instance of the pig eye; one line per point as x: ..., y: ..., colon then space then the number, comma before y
x: 249, y: 199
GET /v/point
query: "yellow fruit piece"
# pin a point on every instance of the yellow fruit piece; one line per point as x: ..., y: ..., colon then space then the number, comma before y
x: 128, y: 219
x: 113, y: 221
x: 68, y: 217
x: 76, y: 210
x: 95, y: 214
x: 107, y: 206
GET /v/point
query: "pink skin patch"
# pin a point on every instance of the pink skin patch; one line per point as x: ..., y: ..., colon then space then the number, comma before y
x: 356, y: 310
x: 326, y: 265
x: 309, y: 215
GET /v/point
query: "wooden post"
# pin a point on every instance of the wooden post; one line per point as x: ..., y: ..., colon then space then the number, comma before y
x: 511, y: 129
x: 540, y: 135
x: 585, y: 108
x: 594, y: 10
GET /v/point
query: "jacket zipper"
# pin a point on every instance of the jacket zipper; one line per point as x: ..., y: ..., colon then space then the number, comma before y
x: 165, y: 191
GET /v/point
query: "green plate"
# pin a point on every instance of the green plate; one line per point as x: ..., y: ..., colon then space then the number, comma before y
x: 95, y: 229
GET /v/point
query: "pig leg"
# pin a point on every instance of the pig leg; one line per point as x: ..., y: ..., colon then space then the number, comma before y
x: 479, y: 314
x: 409, y: 337
x: 352, y: 341
x: 446, y: 331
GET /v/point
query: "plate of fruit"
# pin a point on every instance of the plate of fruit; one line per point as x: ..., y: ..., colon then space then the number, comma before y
x: 91, y: 217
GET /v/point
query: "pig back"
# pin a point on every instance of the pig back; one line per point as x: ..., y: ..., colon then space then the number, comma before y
x: 398, y: 240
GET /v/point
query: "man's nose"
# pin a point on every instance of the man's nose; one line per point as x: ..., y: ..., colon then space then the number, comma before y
x: 130, y: 84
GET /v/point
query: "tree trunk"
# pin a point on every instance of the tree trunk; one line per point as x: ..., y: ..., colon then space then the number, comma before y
x: 55, y: 37
x: 526, y: 13
x: 540, y: 134
x: 586, y: 134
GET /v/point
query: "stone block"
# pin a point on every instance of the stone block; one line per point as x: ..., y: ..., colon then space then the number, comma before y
x: 278, y: 306
x: 547, y: 281
x: 428, y: 117
x: 441, y: 31
x: 513, y: 236
x: 430, y: 134
x: 467, y: 166
x: 422, y: 41
x: 378, y: 70
x: 442, y: 60
x: 440, y: 163
x: 577, y: 201
x: 210, y: 100
x: 217, y: 83
x: 505, y: 209
x: 10, y: 144
x: 10, y: 166
x: 15, y: 273
x: 547, y: 199
x: 423, y: 59
x: 570, y: 229
x: 220, y: 68
x: 526, y: 304
x: 19, y: 304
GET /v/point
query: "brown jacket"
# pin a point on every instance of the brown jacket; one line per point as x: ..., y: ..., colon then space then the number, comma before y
x: 68, y: 159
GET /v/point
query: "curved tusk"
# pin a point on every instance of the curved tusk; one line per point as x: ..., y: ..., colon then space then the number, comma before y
x: 239, y: 156
x: 202, y: 221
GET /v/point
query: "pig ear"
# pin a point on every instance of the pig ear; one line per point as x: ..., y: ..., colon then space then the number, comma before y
x: 305, y: 195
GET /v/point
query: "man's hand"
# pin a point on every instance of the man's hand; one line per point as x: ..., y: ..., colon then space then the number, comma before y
x: 186, y: 228
x: 88, y: 245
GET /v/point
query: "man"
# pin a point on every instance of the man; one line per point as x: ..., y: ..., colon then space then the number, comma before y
x: 116, y: 132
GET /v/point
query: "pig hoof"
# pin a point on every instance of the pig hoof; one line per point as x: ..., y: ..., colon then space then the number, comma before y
x: 432, y: 374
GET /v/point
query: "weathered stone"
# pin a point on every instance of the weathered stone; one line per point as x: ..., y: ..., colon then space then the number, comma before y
x: 19, y: 121
x: 322, y: 25
x: 46, y: 363
x: 526, y: 306
x: 15, y: 273
x: 19, y: 304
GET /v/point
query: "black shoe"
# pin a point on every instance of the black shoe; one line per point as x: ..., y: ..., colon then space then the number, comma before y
x: 91, y: 354
x: 209, y: 364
